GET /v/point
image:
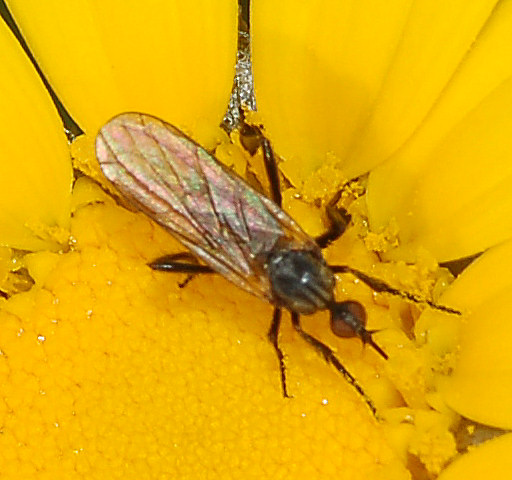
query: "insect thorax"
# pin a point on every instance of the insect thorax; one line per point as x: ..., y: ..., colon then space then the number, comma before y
x: 301, y: 280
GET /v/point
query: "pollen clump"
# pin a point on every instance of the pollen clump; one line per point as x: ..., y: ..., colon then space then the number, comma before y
x: 110, y: 370
x: 432, y: 441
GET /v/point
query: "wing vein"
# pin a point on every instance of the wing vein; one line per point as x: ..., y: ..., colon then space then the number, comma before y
x: 240, y: 242
x: 222, y: 218
x: 191, y: 218
x: 208, y: 190
x: 244, y: 219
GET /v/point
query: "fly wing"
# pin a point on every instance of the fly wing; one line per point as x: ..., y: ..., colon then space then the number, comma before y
x: 208, y: 208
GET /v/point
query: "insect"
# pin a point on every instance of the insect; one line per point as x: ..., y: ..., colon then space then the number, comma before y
x: 229, y: 226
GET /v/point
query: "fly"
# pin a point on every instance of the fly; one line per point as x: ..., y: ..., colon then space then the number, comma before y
x: 233, y: 229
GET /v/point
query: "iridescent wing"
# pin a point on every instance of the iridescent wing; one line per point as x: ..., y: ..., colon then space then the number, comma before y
x: 209, y: 209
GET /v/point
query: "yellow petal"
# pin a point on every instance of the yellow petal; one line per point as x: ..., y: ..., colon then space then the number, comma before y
x: 314, y: 84
x: 354, y: 78
x: 480, y: 386
x: 35, y: 171
x: 491, y: 460
x: 447, y: 187
x: 434, y: 41
x: 171, y: 59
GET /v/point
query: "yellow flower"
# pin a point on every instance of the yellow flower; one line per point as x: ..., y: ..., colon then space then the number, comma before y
x: 109, y: 369
x: 419, y: 93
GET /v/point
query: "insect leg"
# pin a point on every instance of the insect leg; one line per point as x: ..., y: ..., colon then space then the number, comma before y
x: 329, y: 357
x: 380, y: 286
x: 252, y: 138
x: 182, y: 262
x: 179, y: 263
x: 272, y: 171
x: 273, y: 334
x: 338, y: 221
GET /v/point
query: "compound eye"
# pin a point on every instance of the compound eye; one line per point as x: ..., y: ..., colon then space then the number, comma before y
x: 348, y: 319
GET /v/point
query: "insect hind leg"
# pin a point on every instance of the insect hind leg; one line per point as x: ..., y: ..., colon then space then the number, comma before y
x: 329, y: 357
x: 273, y: 334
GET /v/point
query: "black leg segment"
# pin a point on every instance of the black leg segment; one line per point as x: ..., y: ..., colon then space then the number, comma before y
x: 338, y: 222
x: 329, y: 357
x: 273, y: 336
x: 382, y: 287
x: 272, y: 171
x: 252, y: 138
x: 180, y: 263
x: 338, y: 219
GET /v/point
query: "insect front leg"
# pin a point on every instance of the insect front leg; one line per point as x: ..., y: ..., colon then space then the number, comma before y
x: 272, y: 171
x: 380, y: 286
x: 252, y: 138
x: 329, y: 357
x: 338, y: 222
x: 273, y: 336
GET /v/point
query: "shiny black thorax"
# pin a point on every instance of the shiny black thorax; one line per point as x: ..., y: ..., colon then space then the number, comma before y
x: 301, y: 280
